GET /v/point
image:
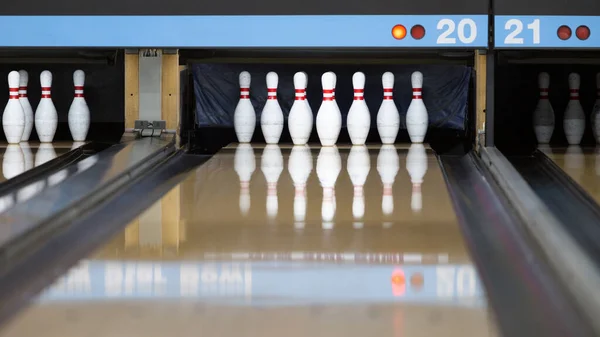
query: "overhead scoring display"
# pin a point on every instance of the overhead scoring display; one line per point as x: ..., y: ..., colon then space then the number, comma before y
x: 547, y: 32
x: 320, y: 31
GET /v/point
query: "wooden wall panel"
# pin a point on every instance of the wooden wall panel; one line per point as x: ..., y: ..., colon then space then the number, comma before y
x: 132, y: 89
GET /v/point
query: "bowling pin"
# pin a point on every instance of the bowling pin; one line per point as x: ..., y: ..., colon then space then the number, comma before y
x: 388, y: 166
x: 271, y: 165
x: 300, y: 166
x: 300, y: 120
x: 417, y: 119
x: 244, y: 164
x: 388, y: 118
x: 574, y: 120
x: 244, y: 116
x: 46, y: 117
x: 543, y: 116
x: 329, y: 166
x: 27, y: 109
x: 13, y: 119
x: 79, y: 113
x: 416, y: 165
x: 358, y: 166
x: 596, y: 111
x: 271, y: 118
x: 359, y: 117
x: 329, y: 117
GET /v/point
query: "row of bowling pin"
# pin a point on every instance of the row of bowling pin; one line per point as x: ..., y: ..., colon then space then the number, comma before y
x: 328, y: 168
x: 18, y: 118
x: 329, y: 117
x: 574, y: 117
x: 18, y: 158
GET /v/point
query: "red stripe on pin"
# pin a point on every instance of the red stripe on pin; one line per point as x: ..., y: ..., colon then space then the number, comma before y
x: 359, y: 98
x: 300, y: 91
x: 272, y: 90
x: 46, y: 96
x: 388, y: 89
x: 359, y: 91
x: 78, y: 95
x: 300, y: 98
x: 244, y: 96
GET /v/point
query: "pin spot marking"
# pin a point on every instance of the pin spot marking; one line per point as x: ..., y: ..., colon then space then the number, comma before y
x: 399, y: 32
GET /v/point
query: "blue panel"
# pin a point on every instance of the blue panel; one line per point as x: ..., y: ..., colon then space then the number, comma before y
x: 542, y: 31
x: 269, y: 283
x: 241, y: 31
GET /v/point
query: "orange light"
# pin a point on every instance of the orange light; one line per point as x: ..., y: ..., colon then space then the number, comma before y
x: 582, y: 32
x: 398, y: 282
x: 399, y: 32
x: 564, y: 32
x: 417, y: 32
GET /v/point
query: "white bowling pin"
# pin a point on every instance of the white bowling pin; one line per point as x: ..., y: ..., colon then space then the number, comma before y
x: 329, y: 117
x: 574, y: 120
x: 596, y: 111
x: 358, y: 166
x: 79, y: 113
x: 271, y: 165
x: 27, y: 109
x: 329, y: 166
x: 46, y: 117
x: 244, y: 163
x: 359, y: 117
x: 417, y: 119
x: 271, y: 118
x: 44, y: 154
x: 244, y: 116
x: 299, y: 166
x: 300, y: 120
x: 13, y: 161
x: 388, y: 166
x: 388, y: 118
x: 416, y: 165
x: 13, y: 119
x: 543, y: 116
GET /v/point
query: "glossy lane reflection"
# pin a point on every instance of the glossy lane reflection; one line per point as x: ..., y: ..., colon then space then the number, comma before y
x: 349, y: 250
x: 581, y: 164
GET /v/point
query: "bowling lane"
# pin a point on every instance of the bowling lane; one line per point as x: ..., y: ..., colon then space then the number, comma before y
x: 582, y: 164
x: 17, y: 159
x: 322, y: 241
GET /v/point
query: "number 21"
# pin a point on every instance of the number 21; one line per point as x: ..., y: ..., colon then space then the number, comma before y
x: 516, y: 26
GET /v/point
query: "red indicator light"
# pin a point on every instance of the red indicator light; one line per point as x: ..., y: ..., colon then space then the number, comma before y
x: 399, y: 32
x: 564, y: 32
x: 417, y: 32
x: 416, y: 281
x: 398, y: 282
x: 582, y: 32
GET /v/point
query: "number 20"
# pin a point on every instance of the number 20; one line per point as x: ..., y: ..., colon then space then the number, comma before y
x: 450, y: 26
x: 512, y: 38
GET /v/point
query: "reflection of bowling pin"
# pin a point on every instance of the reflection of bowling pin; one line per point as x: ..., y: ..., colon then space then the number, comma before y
x: 244, y: 116
x: 329, y: 117
x: 358, y: 166
x: 547, y: 150
x: 574, y: 158
x: 271, y: 117
x: 387, y: 166
x: 30, y: 190
x: 300, y: 165
x: 44, y: 153
x: 57, y: 177
x: 574, y: 119
x: 416, y: 165
x: 13, y: 161
x: 329, y: 165
x: 271, y: 165
x: 543, y: 116
x: 76, y: 145
x: 244, y: 164
x: 27, y: 154
x: 86, y: 163
x: 300, y: 120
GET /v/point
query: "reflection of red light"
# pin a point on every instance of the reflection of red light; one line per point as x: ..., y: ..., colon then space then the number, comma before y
x: 399, y: 32
x: 398, y: 282
x: 564, y: 32
x: 416, y: 281
x: 582, y: 32
x: 417, y: 32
